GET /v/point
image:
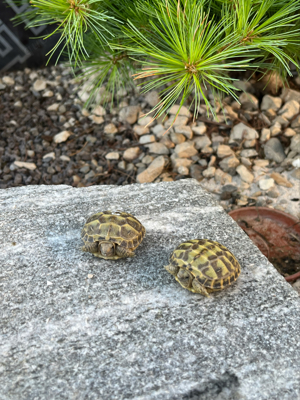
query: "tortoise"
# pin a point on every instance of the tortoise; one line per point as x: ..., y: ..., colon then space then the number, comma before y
x: 203, y: 266
x: 112, y: 235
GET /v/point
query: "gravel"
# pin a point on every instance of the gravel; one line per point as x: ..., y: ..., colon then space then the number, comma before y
x: 48, y: 136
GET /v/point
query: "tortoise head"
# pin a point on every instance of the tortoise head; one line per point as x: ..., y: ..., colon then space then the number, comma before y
x: 107, y: 249
x: 185, y: 278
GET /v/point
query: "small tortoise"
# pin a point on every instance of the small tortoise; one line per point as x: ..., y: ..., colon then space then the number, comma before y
x: 203, y: 266
x: 112, y: 235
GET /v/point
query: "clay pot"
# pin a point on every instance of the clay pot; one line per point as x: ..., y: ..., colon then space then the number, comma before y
x: 276, y: 234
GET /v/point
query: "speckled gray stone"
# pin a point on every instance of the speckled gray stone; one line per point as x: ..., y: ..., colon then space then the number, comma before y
x: 274, y: 151
x: 130, y: 331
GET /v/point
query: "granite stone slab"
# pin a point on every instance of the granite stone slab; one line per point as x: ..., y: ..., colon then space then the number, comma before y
x: 130, y: 331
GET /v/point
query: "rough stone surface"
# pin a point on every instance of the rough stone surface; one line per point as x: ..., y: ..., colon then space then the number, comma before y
x: 75, y: 326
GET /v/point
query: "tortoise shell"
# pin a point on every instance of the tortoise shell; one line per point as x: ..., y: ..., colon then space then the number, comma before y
x: 210, y: 263
x: 120, y: 228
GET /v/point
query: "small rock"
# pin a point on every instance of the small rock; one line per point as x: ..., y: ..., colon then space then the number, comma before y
x: 153, y: 170
x: 281, y: 120
x: 290, y: 109
x: 158, y: 130
x: 265, y: 135
x: 129, y: 114
x: 7, y: 80
x: 122, y: 165
x: 209, y: 172
x: 271, y: 102
x: 229, y: 163
x: 196, y: 172
x: 273, y: 193
x: 99, y: 110
x: 281, y: 180
x: 85, y: 112
x: 242, y: 131
x: 167, y: 142
x: 62, y: 109
x: 51, y: 156
x: 295, y: 143
x: 157, y: 148
x: 147, y: 159
x: 245, y: 174
x: 296, y: 173
x: 200, y: 129
x: 62, y: 136
x: 290, y: 94
x: 232, y: 115
x: 27, y: 165
x: 246, y: 161
x: 18, y: 104
x: 184, y: 130
x: 222, y: 177
x: 96, y: 119
x: 275, y: 129
x: 176, y: 120
x: 110, y: 129
x: 261, y: 163
x: 289, y: 132
x: 147, y: 139
x: 53, y: 107
x: 177, y: 138
x: 39, y: 85
x: 89, y: 175
x: 265, y: 119
x: 207, y: 150
x: 131, y: 153
x: 249, y: 153
x: 178, y: 162
x: 48, y: 93
x: 30, y: 153
x: 185, y: 150
x: 266, y: 184
x: 141, y: 130
x: 65, y: 158
x: 91, y: 139
x: 245, y: 86
x: 85, y: 169
x: 112, y: 156
x: 183, y: 111
x: 201, y: 142
x: 152, y: 98
x: 224, y: 151
x: 146, y: 121
x: 296, y: 163
x: 183, y: 170
x: 274, y: 151
x: 248, y: 101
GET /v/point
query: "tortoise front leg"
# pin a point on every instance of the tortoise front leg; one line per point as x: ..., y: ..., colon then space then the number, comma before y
x: 90, y: 247
x: 198, y: 288
x: 172, y: 269
x: 122, y: 252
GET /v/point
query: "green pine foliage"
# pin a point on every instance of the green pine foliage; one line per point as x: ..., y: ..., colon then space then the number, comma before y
x: 177, y: 47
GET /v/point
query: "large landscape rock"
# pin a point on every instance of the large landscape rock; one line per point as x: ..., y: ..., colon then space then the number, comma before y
x: 78, y: 327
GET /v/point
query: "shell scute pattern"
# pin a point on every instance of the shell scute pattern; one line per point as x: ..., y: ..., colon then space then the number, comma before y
x: 121, y: 229
x: 210, y: 263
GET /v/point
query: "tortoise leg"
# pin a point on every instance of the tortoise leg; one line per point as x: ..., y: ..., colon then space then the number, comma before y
x: 172, y: 269
x: 198, y: 288
x: 122, y: 252
x: 90, y: 247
